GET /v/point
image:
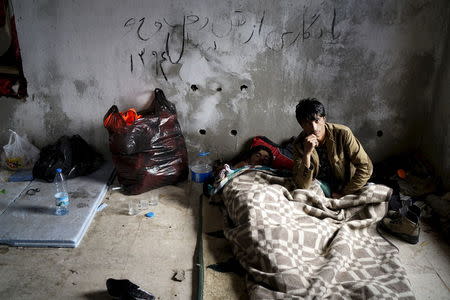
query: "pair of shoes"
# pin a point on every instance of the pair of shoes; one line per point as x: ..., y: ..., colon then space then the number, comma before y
x: 406, y: 227
x: 124, y: 289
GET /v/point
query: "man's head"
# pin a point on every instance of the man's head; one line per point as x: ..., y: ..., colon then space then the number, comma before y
x: 310, y: 114
x: 260, y: 155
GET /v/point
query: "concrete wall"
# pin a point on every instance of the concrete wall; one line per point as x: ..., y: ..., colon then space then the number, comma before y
x: 436, y: 137
x: 372, y: 63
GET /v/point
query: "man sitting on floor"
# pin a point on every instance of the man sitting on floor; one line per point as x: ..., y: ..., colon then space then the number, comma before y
x: 331, y: 154
x: 328, y: 152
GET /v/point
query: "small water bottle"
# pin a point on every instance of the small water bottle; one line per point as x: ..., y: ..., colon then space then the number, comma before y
x: 61, y: 195
x: 201, y: 169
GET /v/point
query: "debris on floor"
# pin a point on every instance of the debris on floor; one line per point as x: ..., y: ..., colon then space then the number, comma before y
x: 150, y: 214
x: 136, y: 207
x: 179, y: 275
x: 102, y: 206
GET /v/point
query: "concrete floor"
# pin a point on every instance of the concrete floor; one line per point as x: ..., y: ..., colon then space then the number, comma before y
x: 427, y: 264
x: 117, y: 245
x: 148, y: 251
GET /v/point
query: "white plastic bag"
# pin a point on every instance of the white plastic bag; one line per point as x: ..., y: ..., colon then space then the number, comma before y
x: 20, y: 153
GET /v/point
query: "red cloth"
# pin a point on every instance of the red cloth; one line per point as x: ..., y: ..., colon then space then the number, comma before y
x: 11, y: 58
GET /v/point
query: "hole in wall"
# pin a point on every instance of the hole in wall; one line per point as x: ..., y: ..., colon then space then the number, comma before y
x: 194, y: 87
x: 202, y: 131
x: 379, y: 133
x: 219, y: 89
x: 243, y: 87
x: 233, y: 132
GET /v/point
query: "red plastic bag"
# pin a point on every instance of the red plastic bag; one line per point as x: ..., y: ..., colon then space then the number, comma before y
x: 150, y: 152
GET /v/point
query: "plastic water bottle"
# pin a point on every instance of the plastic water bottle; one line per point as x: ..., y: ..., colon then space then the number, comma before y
x: 201, y: 169
x: 61, y: 195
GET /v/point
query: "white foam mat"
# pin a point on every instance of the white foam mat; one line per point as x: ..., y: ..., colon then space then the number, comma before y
x: 30, y: 220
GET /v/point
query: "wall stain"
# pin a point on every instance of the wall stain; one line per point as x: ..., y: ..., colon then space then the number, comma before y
x: 414, y: 9
x: 56, y: 121
x: 420, y: 70
x: 93, y: 82
x: 80, y: 86
x: 418, y: 76
x: 7, y: 117
x: 48, y: 9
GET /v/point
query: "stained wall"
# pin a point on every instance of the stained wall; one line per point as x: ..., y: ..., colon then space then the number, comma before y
x: 436, y: 131
x: 232, y: 67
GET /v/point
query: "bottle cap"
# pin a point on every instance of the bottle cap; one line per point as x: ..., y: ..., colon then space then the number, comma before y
x: 203, y: 154
x: 401, y: 173
x: 59, y: 170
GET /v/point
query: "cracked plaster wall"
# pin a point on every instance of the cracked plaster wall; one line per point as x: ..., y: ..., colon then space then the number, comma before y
x: 372, y: 64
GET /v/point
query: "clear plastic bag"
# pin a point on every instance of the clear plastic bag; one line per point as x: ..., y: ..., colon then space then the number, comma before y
x: 19, y: 153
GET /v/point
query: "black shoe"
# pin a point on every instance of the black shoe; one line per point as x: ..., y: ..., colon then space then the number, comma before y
x: 414, y: 209
x: 124, y: 289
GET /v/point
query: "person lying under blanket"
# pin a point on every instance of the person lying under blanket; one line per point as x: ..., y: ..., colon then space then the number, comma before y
x: 257, y: 157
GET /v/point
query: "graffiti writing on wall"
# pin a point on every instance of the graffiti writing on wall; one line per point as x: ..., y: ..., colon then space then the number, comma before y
x: 209, y: 33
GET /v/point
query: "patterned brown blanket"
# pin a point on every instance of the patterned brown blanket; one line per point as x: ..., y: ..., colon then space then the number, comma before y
x: 298, y: 244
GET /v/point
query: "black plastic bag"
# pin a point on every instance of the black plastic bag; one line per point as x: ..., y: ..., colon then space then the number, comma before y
x: 72, y: 154
x: 151, y: 152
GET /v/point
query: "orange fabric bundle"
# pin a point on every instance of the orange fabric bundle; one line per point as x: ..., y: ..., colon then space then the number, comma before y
x: 121, y: 119
x: 130, y: 116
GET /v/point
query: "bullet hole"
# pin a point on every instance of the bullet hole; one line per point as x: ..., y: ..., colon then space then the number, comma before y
x: 202, y: 131
x: 243, y: 87
x: 219, y: 89
x: 194, y: 87
x: 233, y: 132
x: 379, y: 133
